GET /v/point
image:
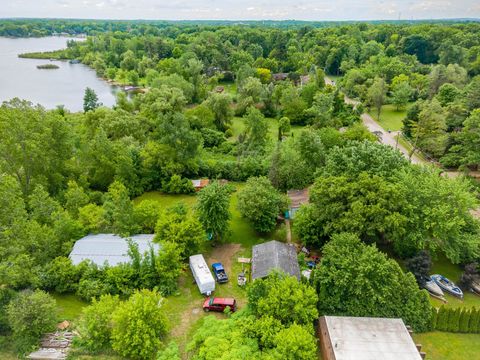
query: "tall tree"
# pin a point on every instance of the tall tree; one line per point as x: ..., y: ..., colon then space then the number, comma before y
x: 213, y: 210
x: 260, y: 203
x: 119, y: 210
x: 376, y: 94
x: 90, y: 100
x: 354, y: 279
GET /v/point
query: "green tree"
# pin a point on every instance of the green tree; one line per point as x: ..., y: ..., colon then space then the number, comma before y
x: 95, y: 325
x: 179, y: 226
x: 295, y: 342
x: 139, y: 325
x: 90, y: 100
x: 401, y: 95
x: 284, y: 298
x: 146, y: 215
x: 30, y: 315
x: 376, y: 94
x: 75, y: 198
x: 220, y: 105
x: 213, y: 209
x: 119, y: 210
x: 442, y: 319
x: 260, y: 203
x: 355, y: 279
x: 283, y: 127
x: 420, y: 266
x: 42, y: 206
x: 254, y: 139
x: 429, y: 133
x: 464, y: 325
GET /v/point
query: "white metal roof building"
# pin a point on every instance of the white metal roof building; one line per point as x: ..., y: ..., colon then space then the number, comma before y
x: 364, y: 338
x: 109, y: 248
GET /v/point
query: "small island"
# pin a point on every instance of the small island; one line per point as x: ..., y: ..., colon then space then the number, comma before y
x: 48, y: 67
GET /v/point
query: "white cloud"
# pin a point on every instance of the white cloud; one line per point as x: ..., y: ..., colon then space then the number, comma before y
x: 241, y: 9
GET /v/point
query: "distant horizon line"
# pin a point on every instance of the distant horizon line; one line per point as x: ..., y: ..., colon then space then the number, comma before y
x: 245, y: 20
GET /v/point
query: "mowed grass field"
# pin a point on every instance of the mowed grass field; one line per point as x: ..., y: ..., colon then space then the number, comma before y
x: 390, y: 118
x: 449, y: 346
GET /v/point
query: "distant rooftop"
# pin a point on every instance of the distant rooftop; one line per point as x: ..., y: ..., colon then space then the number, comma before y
x: 364, y: 338
x: 110, y: 248
x: 274, y: 255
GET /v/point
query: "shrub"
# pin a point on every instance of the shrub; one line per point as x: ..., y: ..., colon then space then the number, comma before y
x: 60, y: 275
x: 177, y: 185
x: 30, y: 315
x: 95, y: 325
x: 139, y: 325
x: 464, y: 321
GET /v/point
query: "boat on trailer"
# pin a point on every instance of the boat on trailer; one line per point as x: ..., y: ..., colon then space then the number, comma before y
x: 447, y: 285
x: 432, y: 287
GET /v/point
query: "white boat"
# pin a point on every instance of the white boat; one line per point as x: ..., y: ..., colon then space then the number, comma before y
x: 447, y: 285
x: 432, y: 287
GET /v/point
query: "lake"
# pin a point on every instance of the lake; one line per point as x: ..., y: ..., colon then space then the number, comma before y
x: 64, y: 86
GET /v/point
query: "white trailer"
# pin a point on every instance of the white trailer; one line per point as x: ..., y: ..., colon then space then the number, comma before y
x: 202, y: 274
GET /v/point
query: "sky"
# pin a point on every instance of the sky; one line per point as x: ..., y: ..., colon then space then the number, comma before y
x: 242, y: 9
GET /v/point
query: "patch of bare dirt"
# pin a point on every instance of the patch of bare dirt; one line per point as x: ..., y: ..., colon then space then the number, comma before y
x: 224, y: 254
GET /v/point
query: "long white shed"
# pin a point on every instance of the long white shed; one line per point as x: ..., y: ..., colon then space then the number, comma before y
x: 202, y: 274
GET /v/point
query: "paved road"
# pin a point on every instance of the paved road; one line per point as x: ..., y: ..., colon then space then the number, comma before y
x: 374, y: 127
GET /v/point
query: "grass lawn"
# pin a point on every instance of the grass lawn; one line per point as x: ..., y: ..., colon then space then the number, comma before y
x: 449, y: 346
x: 69, y: 306
x: 390, y: 118
x: 238, y: 126
x: 408, y: 146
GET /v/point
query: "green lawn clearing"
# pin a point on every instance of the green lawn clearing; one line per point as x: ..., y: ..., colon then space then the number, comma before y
x: 69, y: 306
x: 390, y: 118
x: 449, y: 346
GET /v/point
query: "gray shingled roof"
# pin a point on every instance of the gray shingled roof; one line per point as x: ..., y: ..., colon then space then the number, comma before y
x: 110, y: 248
x: 274, y: 255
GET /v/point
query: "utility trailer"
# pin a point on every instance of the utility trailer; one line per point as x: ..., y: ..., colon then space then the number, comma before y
x: 202, y: 275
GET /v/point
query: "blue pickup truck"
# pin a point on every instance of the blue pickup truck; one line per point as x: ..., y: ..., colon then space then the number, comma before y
x: 219, y: 273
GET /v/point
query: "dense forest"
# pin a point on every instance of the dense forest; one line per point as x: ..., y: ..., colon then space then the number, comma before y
x: 243, y: 104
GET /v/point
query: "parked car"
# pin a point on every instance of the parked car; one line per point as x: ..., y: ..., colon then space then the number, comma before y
x: 219, y: 304
x: 220, y: 273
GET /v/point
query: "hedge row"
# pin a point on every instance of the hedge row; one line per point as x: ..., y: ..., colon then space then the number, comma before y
x: 459, y: 320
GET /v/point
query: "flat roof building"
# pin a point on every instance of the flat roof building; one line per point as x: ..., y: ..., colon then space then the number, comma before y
x: 109, y: 248
x: 274, y: 255
x: 366, y: 338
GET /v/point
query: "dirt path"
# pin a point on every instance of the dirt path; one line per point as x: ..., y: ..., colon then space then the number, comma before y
x: 289, y: 231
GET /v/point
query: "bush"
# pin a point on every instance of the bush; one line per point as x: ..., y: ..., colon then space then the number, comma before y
x: 95, y: 325
x: 139, y: 325
x: 30, y: 315
x: 177, y: 185
x: 60, y: 275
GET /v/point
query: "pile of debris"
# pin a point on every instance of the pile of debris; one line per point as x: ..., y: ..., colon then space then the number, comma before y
x: 54, y: 346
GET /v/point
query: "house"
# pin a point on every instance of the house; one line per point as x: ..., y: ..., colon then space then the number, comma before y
x: 280, y: 76
x: 274, y: 255
x: 297, y: 199
x: 366, y: 338
x: 200, y: 184
x: 109, y: 248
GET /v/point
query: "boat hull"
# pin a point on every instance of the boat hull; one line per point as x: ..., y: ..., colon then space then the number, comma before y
x: 447, y: 286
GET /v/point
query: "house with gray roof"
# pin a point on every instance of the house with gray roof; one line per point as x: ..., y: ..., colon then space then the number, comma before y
x: 109, y: 248
x: 274, y: 255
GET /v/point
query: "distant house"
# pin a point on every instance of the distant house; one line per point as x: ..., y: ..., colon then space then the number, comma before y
x: 297, y: 199
x: 280, y: 76
x: 109, y: 248
x: 200, y: 184
x: 274, y: 255
x: 364, y: 338
x: 304, y: 79
x: 219, y: 89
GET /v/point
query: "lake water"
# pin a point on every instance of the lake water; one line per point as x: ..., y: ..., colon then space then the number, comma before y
x: 64, y: 86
